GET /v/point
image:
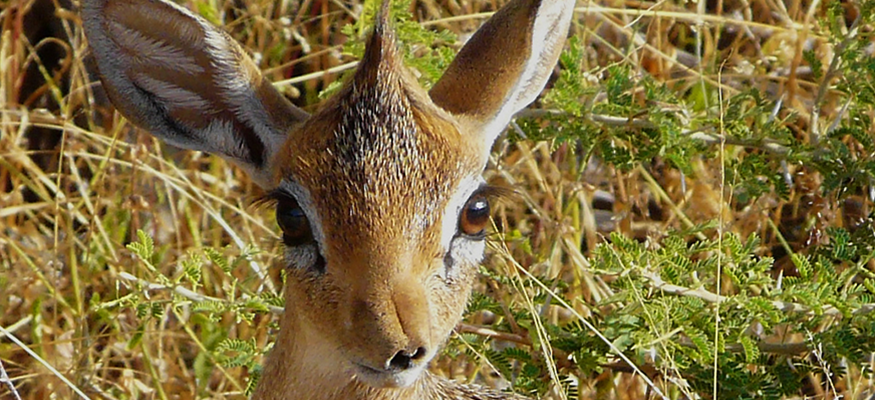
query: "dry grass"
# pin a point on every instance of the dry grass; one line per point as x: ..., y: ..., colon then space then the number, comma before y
x: 65, y: 274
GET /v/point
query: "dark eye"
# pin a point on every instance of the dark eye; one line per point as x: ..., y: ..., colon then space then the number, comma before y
x: 475, y: 216
x: 293, y: 222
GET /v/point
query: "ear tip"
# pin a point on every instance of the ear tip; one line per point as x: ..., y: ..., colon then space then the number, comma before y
x: 382, y: 19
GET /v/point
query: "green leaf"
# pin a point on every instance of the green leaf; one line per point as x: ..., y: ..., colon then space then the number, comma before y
x: 803, y: 266
x: 218, y: 259
x: 144, y: 249
x: 191, y: 269
x: 137, y: 337
x: 751, y: 351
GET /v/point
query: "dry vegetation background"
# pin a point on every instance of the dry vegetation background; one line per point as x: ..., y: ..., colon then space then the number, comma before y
x: 79, y: 310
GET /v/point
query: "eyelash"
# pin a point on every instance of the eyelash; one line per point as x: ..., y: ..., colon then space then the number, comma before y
x: 270, y: 199
x: 495, y: 193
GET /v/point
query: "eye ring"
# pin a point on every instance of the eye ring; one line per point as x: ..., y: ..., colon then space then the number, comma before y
x: 475, y: 217
x: 293, y: 222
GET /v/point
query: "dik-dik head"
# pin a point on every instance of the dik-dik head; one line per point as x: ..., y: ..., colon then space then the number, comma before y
x: 379, y: 193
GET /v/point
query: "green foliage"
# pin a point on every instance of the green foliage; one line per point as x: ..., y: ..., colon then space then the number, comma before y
x: 144, y: 249
x: 693, y: 303
x: 207, y: 9
x: 693, y: 300
x: 665, y: 135
x: 650, y: 122
x: 424, y: 50
x: 666, y: 312
x: 150, y: 307
x: 236, y: 353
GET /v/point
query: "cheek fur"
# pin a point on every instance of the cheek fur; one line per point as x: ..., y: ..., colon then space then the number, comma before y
x: 317, y: 298
x: 450, y: 289
x: 464, y: 254
x: 301, y: 257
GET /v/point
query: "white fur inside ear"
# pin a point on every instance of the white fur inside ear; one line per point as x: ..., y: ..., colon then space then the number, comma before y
x: 548, y: 33
x: 231, y: 74
x: 235, y: 76
x: 160, y: 53
x: 173, y: 95
x: 225, y: 55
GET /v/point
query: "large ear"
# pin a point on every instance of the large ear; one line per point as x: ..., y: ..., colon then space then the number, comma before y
x: 505, y: 64
x: 172, y: 73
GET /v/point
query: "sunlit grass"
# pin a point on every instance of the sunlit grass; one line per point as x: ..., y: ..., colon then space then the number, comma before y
x: 98, y: 319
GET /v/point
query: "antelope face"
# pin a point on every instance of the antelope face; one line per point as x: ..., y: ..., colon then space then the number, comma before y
x: 379, y: 195
x: 383, y: 213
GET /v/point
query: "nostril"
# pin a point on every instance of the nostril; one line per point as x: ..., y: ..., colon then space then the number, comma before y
x: 418, y: 353
x: 404, y: 359
x: 401, y: 360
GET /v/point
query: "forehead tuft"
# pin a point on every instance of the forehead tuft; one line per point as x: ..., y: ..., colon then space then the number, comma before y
x: 379, y: 157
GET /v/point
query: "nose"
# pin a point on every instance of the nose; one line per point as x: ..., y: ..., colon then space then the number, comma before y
x: 405, y: 359
x: 392, y: 320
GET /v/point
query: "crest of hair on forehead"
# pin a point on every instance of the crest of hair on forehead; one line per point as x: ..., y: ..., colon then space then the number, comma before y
x: 375, y: 109
x: 391, y: 154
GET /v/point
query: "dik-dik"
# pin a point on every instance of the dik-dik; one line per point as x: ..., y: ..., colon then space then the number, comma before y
x: 379, y: 193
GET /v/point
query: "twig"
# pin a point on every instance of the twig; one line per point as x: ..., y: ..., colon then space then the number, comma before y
x: 700, y: 134
x: 187, y: 293
x: 813, y: 134
x: 42, y: 361
x: 765, y: 145
x: 482, y: 331
x: 194, y: 296
x: 316, y: 75
x: 656, y: 282
x: 5, y: 379
x: 16, y: 326
x: 788, y: 349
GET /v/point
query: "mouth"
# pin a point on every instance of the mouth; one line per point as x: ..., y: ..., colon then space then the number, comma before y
x: 387, y: 378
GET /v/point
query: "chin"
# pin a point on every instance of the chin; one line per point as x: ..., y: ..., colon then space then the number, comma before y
x: 387, y: 379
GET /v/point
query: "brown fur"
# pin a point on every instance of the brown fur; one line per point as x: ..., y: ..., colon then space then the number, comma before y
x: 380, y: 160
x: 377, y: 168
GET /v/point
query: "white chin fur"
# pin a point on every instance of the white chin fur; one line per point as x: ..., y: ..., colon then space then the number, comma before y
x: 388, y: 379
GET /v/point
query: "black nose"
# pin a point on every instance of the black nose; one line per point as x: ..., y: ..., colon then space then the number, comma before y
x: 404, y: 359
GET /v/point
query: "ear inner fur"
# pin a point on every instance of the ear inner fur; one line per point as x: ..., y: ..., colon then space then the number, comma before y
x: 197, y: 90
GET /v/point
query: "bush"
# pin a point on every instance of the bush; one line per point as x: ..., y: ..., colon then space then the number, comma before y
x: 692, y: 218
